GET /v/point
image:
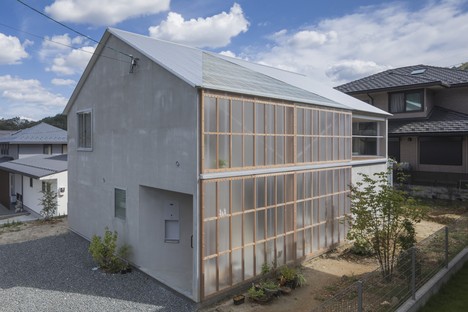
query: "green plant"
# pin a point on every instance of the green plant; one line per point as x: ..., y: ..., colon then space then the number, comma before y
x: 288, y: 273
x: 48, y: 202
x: 301, y: 280
x: 11, y: 224
x: 382, y: 216
x: 255, y: 293
x: 269, y: 284
x: 106, y: 254
x: 265, y: 268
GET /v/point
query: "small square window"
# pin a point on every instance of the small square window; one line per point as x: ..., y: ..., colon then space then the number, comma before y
x: 409, y: 101
x: 120, y: 203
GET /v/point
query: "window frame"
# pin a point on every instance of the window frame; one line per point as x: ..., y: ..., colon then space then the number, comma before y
x: 405, y: 93
x: 79, y: 132
x: 379, y: 136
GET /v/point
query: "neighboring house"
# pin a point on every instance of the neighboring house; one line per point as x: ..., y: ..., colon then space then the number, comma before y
x: 429, y: 126
x: 41, y: 139
x: 38, y: 173
x: 210, y: 166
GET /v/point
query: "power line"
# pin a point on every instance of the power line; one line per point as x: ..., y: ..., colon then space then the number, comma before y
x: 73, y: 30
x: 60, y: 43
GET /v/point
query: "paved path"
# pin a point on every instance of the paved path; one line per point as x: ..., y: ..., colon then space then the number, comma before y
x: 55, y: 274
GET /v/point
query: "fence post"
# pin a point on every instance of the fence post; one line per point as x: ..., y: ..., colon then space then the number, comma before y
x: 446, y: 247
x: 413, y: 272
x: 359, y: 285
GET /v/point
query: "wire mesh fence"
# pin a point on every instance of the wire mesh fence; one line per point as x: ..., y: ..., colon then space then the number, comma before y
x: 413, y: 268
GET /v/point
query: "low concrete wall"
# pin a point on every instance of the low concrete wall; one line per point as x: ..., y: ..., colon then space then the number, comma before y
x: 437, y: 192
x: 434, y: 284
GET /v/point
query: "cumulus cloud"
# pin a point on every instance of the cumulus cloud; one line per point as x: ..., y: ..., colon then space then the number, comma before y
x: 372, y: 39
x: 12, y: 51
x: 63, y: 82
x: 28, y: 95
x: 228, y: 53
x: 103, y: 12
x: 61, y: 59
x: 211, y: 32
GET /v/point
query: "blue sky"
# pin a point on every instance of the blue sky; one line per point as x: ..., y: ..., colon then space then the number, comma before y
x: 334, y: 41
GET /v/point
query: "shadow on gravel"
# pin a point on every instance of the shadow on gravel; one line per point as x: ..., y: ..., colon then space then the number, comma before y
x: 62, y: 263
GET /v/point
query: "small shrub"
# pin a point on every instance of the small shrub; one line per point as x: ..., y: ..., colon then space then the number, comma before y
x: 265, y: 268
x: 48, y: 202
x: 106, y: 254
x: 256, y: 294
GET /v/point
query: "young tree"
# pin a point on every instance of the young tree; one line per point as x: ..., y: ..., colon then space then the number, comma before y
x: 48, y: 201
x: 382, y: 217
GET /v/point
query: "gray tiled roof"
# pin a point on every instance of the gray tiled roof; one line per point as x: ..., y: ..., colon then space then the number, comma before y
x: 439, y: 121
x: 39, y: 134
x: 37, y: 166
x: 402, y: 77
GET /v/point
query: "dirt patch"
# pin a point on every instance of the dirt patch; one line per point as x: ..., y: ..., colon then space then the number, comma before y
x: 22, y: 232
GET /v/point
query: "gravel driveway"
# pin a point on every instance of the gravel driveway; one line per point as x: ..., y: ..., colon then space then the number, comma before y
x: 55, y: 274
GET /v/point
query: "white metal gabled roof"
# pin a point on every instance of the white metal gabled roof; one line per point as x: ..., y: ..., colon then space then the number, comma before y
x: 38, y: 166
x: 210, y: 70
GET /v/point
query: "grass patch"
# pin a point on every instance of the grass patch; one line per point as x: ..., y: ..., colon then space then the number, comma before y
x: 452, y: 296
x: 11, y: 224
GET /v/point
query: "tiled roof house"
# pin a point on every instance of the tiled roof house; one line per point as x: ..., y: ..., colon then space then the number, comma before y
x: 429, y: 126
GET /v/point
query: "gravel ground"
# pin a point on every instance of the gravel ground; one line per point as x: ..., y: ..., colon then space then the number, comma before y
x: 55, y: 274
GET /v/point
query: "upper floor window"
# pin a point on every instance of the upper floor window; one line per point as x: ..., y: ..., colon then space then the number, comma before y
x: 4, y: 148
x: 368, y: 138
x: 405, y: 102
x: 84, y: 130
x: 47, y: 149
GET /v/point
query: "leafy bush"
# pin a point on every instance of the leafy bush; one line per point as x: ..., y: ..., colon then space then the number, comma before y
x: 48, y: 202
x: 106, y: 254
x: 256, y: 294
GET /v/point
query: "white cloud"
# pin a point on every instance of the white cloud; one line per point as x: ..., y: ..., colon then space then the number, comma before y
x: 28, y: 95
x: 63, y: 82
x: 63, y: 60
x: 12, y: 51
x: 228, y: 53
x: 103, y: 12
x: 212, y: 32
x: 372, y: 39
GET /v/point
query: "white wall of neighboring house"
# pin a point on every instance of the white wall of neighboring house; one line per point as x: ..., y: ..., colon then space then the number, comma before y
x: 32, y: 195
x: 367, y: 169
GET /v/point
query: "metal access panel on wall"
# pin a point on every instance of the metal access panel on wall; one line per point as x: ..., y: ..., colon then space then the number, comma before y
x: 171, y: 222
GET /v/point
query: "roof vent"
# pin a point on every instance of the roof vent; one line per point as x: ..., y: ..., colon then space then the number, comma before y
x: 418, y: 71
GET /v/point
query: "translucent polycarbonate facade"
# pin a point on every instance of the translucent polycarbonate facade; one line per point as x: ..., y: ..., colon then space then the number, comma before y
x: 249, y: 219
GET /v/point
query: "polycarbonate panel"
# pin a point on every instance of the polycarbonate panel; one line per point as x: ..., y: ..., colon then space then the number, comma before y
x: 307, y: 121
x: 223, y: 198
x: 223, y: 235
x: 236, y: 119
x: 270, y: 150
x: 300, y: 149
x: 279, y: 150
x: 280, y: 257
x: 237, y: 275
x: 280, y: 189
x: 209, y: 200
x: 209, y: 114
x: 315, y: 238
x: 224, y: 115
x: 249, y: 222
x: 259, y: 150
x: 300, y: 120
x: 270, y: 118
x: 260, y: 225
x: 210, y: 152
x: 237, y: 151
x: 248, y: 117
x: 260, y: 188
x: 279, y: 220
x: 300, y: 215
x: 248, y: 262
x: 236, y: 240
x: 248, y: 150
x: 289, y: 218
x: 259, y: 118
x: 270, y: 222
x: 279, y: 119
x: 290, y: 248
x: 307, y: 213
x: 300, y: 244
x: 289, y: 118
x: 289, y: 149
x: 271, y: 191
x: 259, y: 257
x: 236, y: 189
x: 209, y: 235
x: 209, y: 276
x: 308, y: 241
x: 224, y: 151
x: 249, y: 194
x: 307, y: 149
x: 270, y: 252
x: 224, y: 271
x: 300, y: 186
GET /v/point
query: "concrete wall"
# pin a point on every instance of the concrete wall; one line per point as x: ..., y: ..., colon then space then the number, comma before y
x: 144, y: 124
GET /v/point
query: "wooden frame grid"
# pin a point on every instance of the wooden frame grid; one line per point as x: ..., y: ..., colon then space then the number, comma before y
x: 286, y: 197
x: 284, y: 133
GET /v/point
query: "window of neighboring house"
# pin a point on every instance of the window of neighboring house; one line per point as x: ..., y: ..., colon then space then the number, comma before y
x: 64, y: 149
x: 367, y: 138
x: 394, y: 148
x: 4, y: 148
x: 120, y: 203
x: 441, y: 150
x: 406, y: 102
x: 47, y: 149
x: 30, y: 182
x: 84, y: 130
x: 45, y: 186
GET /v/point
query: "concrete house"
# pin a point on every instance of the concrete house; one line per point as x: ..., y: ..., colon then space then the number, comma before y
x: 210, y: 166
x: 429, y: 126
x: 18, y: 178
